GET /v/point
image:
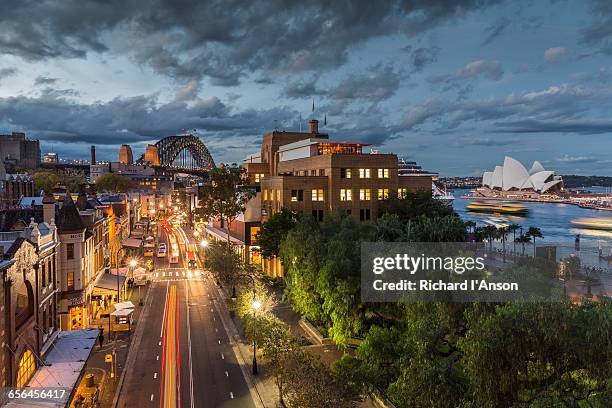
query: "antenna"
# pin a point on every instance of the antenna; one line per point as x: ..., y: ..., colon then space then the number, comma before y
x: 300, y: 122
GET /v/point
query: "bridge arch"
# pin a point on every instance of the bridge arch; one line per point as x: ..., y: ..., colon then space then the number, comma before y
x: 171, y: 151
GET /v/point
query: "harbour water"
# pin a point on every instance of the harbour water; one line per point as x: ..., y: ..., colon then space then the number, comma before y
x: 554, y: 220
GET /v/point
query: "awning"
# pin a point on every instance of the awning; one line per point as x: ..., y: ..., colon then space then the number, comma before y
x: 107, y: 284
x: 122, y: 312
x: 123, y: 305
x: 132, y: 242
x: 219, y: 234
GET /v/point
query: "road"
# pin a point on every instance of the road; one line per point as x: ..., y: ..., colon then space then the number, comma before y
x: 184, y: 358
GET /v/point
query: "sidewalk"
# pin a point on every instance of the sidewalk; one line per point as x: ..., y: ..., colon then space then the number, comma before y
x: 100, y: 369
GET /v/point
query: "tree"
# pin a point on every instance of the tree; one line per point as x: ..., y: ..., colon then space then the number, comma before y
x: 534, y: 232
x: 274, y: 231
x: 415, y: 204
x: 513, y: 228
x: 225, y: 195
x: 114, y: 183
x: 222, y: 261
x: 45, y: 180
x: 539, y: 354
x: 309, y: 383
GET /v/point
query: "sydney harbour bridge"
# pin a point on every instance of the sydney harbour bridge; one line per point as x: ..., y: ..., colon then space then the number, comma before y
x: 184, y: 152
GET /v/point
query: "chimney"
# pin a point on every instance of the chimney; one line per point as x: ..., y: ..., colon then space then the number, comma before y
x: 93, y: 154
x: 313, y: 126
x: 48, y: 208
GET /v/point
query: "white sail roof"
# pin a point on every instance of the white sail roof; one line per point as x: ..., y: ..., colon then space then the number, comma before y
x: 513, y: 175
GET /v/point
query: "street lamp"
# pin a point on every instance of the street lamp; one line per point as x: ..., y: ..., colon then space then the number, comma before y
x: 203, y: 243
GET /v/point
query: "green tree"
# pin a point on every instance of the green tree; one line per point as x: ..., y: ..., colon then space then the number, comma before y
x: 225, y: 195
x: 45, y: 180
x: 309, y: 383
x: 223, y: 262
x: 534, y: 232
x: 114, y: 183
x: 415, y: 204
x: 274, y: 231
x: 436, y: 229
x: 540, y: 354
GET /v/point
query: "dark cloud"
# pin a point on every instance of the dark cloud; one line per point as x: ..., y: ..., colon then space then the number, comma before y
x: 496, y: 29
x: 491, y: 70
x: 42, y: 80
x: 599, y: 30
x: 380, y: 83
x: 422, y: 57
x: 7, y: 72
x: 303, y: 88
x: 555, y: 109
x: 487, y: 142
x: 222, y: 40
x: 56, y: 119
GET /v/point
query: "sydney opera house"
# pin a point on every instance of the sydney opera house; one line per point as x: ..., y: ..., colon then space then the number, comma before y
x: 514, y: 176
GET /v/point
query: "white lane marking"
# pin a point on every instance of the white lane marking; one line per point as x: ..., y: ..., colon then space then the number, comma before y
x: 159, y: 343
x: 226, y: 374
x: 157, y: 358
x: 189, y: 343
x: 222, y: 356
x: 151, y: 397
x: 216, y: 330
x: 231, y: 395
x: 161, y: 332
x: 219, y: 341
x: 155, y: 375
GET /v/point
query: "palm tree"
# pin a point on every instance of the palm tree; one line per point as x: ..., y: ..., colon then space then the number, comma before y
x: 513, y: 228
x: 490, y: 231
x: 522, y: 239
x: 534, y: 232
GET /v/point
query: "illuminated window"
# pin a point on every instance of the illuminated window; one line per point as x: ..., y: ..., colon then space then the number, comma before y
x: 346, y: 194
x: 271, y: 195
x: 297, y: 195
x: 278, y: 195
x: 364, y: 194
x: 345, y: 173
x: 364, y: 173
x: 383, y: 173
x: 383, y: 193
x: 402, y: 192
x: 317, y: 194
x: 27, y: 366
x: 70, y: 280
x: 258, y: 177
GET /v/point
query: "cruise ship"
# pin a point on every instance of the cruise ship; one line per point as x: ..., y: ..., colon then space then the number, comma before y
x: 498, y: 207
x: 411, y: 168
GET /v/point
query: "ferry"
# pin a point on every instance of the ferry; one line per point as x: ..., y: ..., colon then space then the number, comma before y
x: 443, y: 195
x: 598, y: 223
x: 500, y: 207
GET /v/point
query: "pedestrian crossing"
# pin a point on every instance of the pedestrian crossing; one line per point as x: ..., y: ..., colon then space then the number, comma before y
x: 176, y: 275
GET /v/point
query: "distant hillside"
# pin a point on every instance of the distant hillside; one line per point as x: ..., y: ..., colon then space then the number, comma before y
x: 586, y: 181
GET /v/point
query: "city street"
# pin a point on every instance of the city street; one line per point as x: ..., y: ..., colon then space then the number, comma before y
x: 184, y: 358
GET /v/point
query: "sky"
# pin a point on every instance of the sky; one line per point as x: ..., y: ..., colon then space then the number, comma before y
x: 454, y: 85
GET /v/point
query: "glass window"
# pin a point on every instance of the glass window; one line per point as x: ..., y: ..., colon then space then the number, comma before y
x: 364, y: 173
x: 383, y: 173
x: 297, y: 195
x: 383, y: 193
x: 364, y: 194
x: 317, y: 194
x: 402, y: 192
x: 26, y: 369
x: 364, y: 214
x: 345, y: 173
x: 265, y: 195
x: 70, y: 251
x: 321, y: 172
x: 346, y: 194
x: 70, y: 280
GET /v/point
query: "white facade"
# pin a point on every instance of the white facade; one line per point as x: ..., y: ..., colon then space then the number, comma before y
x: 514, y: 176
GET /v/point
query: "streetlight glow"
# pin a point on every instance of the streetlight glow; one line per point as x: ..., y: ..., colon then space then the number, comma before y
x: 204, y: 243
x: 133, y: 263
x: 256, y: 305
x: 196, y: 233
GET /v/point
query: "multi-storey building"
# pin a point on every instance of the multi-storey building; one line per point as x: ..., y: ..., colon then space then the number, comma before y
x: 311, y: 175
x: 13, y: 187
x: 18, y: 151
x: 29, y: 298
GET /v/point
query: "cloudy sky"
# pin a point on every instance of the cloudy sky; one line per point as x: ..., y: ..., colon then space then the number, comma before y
x: 454, y: 85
